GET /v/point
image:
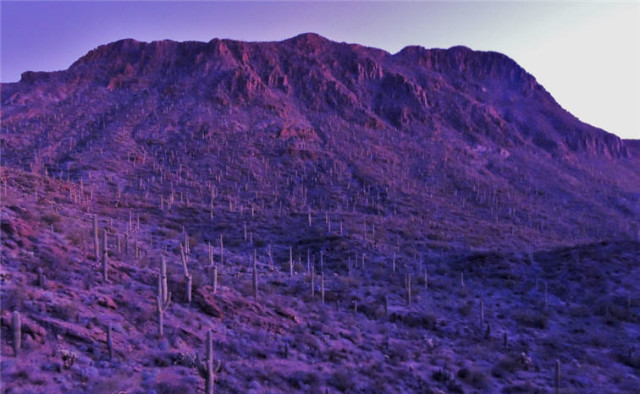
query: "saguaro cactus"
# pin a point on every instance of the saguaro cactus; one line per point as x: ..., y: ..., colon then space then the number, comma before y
x: 126, y: 243
x: 408, y: 289
x: 163, y: 299
x: 207, y: 369
x: 290, y: 261
x: 386, y: 305
x: 189, y: 284
x: 16, y: 327
x: 322, y: 287
x: 105, y: 256
x: 96, y: 244
x: 313, y: 281
x: 164, y: 288
x: 255, y: 275
x: 40, y: 277
x: 270, y: 255
x: 188, y: 278
x: 214, y: 279
x: 546, y: 296
x: 557, y: 377
x: 221, y: 251
x: 110, y: 341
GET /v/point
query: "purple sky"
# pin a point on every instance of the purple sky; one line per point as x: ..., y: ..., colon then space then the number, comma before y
x: 585, y: 53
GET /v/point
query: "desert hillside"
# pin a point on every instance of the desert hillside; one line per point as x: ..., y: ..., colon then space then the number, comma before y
x: 339, y: 218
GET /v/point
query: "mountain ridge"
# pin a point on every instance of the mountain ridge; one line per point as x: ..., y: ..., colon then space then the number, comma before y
x: 127, y: 60
x: 451, y: 116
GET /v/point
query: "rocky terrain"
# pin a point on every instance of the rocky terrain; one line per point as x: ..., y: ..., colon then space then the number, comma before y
x: 338, y: 218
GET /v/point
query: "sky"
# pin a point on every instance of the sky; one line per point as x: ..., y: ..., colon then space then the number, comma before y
x: 585, y: 53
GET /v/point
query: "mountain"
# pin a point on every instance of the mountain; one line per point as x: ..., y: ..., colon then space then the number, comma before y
x: 384, y: 169
x: 471, y: 132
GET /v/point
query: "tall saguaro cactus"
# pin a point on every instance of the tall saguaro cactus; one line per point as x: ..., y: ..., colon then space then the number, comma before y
x: 313, y: 281
x: 164, y: 290
x: 96, y: 244
x: 110, y: 340
x: 164, y: 297
x: 221, y: 251
x: 207, y: 369
x: 290, y: 261
x: 556, y: 380
x: 40, y: 277
x: 214, y: 279
x: 105, y: 256
x: 188, y: 278
x: 408, y: 284
x: 255, y: 275
x: 16, y: 327
x: 322, y: 287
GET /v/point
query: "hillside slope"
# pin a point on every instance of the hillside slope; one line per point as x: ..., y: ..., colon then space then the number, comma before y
x: 312, y: 123
x: 402, y: 215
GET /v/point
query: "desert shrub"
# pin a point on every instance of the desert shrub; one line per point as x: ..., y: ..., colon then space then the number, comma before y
x: 531, y: 318
x: 76, y: 235
x: 343, y: 284
x: 522, y: 388
x: 184, y: 359
x: 198, y: 279
x: 371, y: 311
x: 465, y: 310
x: 309, y: 342
x: 445, y: 376
x: 579, y: 311
x: 380, y: 273
x: 442, y: 375
x: 631, y: 358
x: 161, y: 360
x: 300, y: 379
x: 399, y: 351
x: 171, y: 388
x: 194, y: 241
x: 510, y: 364
x: 343, y: 380
x: 13, y: 298
x: 68, y: 358
x: 172, y: 231
x: 144, y: 316
x: 106, y: 386
x: 24, y: 213
x: 416, y: 320
x: 88, y: 279
x: 51, y: 218
x: 473, y: 377
x: 66, y: 311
